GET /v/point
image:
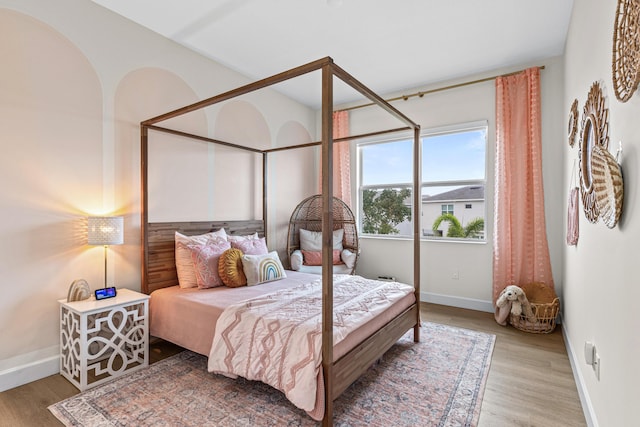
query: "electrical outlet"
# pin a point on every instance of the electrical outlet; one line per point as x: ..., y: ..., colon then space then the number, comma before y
x: 588, y: 352
x: 596, y: 365
x: 455, y: 275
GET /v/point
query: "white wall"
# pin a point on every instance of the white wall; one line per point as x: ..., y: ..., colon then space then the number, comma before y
x: 471, y: 262
x: 600, y: 279
x: 76, y: 81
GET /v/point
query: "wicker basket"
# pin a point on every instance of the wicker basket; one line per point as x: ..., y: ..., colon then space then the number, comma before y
x: 545, y: 315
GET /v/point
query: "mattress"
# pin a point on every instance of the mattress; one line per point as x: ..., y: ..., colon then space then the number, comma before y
x: 187, y: 317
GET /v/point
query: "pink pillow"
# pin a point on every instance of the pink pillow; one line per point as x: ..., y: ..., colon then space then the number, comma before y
x: 315, y: 258
x: 205, y: 262
x: 184, y: 264
x: 251, y: 246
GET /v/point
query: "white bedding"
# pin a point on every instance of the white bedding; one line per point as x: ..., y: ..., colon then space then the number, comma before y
x: 277, y: 338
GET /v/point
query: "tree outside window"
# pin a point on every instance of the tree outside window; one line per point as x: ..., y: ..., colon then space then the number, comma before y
x: 383, y: 210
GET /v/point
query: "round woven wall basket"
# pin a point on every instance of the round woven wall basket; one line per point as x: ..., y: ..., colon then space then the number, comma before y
x: 545, y: 315
x: 626, y: 49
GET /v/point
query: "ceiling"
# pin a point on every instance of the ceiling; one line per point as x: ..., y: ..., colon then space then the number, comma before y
x: 390, y: 46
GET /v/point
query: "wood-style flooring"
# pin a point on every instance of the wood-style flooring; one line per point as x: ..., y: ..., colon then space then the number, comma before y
x: 530, y: 382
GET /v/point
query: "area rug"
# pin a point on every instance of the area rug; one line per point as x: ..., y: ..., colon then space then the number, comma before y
x: 436, y: 382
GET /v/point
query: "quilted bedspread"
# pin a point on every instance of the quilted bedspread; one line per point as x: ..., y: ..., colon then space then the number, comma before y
x: 277, y: 338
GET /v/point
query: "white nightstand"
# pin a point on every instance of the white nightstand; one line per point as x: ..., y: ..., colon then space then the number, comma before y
x: 101, y: 340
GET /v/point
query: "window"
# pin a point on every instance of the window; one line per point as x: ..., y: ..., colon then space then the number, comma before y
x: 452, y: 191
x: 447, y: 209
x: 386, y: 171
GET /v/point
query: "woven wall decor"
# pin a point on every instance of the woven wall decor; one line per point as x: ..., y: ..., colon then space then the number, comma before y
x: 573, y: 122
x: 594, y: 131
x: 626, y: 49
x: 608, y: 185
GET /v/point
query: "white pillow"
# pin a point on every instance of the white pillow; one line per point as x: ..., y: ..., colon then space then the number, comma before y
x: 262, y: 268
x: 348, y: 257
x: 184, y: 263
x: 296, y: 260
x: 201, y: 238
x: 312, y: 240
x: 233, y: 238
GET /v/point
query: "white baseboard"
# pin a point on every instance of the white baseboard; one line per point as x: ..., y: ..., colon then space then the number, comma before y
x: 23, y: 374
x: 587, y: 407
x: 460, y: 302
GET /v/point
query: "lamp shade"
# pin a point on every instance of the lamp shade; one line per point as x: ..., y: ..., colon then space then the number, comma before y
x: 105, y: 230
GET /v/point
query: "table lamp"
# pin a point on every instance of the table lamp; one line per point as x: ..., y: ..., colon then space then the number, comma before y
x: 105, y: 230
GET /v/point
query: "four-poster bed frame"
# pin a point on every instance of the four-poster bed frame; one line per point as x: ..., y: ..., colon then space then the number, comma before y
x: 158, y: 269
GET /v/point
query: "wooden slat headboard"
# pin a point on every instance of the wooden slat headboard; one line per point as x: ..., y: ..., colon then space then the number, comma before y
x: 160, y: 266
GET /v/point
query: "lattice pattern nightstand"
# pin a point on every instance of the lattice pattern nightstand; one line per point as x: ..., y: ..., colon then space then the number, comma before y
x: 100, y: 340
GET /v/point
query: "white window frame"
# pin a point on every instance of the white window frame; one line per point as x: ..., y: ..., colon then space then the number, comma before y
x: 361, y: 187
x: 459, y: 128
x: 425, y: 133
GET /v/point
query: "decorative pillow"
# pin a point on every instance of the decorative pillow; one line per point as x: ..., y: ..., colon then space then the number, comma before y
x: 230, y: 268
x: 312, y: 240
x: 233, y: 238
x: 296, y: 260
x: 205, y: 261
x: 315, y: 257
x: 348, y: 257
x: 262, y: 268
x: 184, y: 263
x: 251, y: 246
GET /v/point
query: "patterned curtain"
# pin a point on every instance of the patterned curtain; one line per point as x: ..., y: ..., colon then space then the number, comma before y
x: 520, y: 248
x: 341, y: 159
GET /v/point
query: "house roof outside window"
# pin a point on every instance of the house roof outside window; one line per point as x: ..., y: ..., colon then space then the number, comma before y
x: 467, y: 193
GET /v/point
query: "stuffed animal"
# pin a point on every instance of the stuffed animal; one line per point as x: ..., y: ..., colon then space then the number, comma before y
x: 512, y: 300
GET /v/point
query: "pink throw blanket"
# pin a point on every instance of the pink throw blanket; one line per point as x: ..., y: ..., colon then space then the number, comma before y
x: 277, y: 338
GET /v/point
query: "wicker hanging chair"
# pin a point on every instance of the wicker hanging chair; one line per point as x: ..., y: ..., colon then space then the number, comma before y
x: 308, y: 216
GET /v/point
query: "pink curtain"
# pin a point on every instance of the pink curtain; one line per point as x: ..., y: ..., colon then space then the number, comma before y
x: 520, y: 249
x: 341, y: 159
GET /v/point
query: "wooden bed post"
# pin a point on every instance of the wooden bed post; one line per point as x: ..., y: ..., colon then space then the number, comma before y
x: 264, y: 197
x: 327, y: 241
x: 417, y: 205
x: 144, y: 173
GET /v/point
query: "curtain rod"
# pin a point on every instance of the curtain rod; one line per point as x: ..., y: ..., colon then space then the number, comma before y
x: 440, y: 89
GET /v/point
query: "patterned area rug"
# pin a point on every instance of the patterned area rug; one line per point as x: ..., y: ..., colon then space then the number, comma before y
x: 437, y: 382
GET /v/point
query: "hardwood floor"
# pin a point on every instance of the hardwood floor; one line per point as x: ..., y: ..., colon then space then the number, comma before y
x: 530, y: 382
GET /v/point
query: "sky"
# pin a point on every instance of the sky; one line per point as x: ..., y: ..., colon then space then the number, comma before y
x: 445, y: 157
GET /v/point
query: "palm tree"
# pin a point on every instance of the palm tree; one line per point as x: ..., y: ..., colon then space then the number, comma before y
x: 472, y: 229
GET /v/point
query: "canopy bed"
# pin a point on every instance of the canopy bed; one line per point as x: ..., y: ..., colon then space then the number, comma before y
x: 341, y: 363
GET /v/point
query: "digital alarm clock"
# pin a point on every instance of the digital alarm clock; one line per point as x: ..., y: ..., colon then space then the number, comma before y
x: 104, y: 293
